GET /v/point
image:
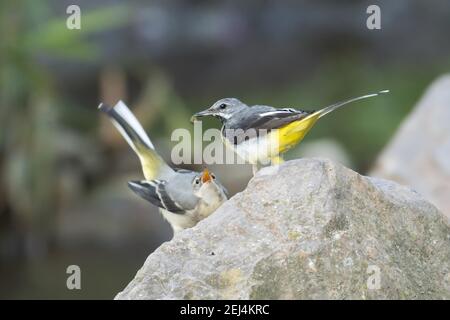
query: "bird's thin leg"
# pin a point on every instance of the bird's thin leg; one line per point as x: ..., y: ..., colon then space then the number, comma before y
x: 255, y: 168
x: 276, y: 161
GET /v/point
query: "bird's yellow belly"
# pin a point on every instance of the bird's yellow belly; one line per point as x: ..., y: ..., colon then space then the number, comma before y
x: 291, y: 134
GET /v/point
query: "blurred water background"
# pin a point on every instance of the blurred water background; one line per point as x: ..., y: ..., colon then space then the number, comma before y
x: 64, y: 168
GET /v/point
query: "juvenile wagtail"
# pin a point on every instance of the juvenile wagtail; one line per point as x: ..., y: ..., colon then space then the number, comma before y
x: 260, y: 134
x: 184, y: 197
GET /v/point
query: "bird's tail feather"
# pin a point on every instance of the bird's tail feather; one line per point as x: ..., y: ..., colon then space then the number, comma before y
x: 294, y: 132
x: 131, y: 130
x: 339, y: 104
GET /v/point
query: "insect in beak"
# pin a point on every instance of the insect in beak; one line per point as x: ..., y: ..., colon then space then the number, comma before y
x: 200, y: 114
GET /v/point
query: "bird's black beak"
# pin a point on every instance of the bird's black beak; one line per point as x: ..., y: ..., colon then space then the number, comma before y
x: 200, y: 114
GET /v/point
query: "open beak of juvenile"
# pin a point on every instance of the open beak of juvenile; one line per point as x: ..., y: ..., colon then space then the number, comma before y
x: 200, y: 114
x: 206, y: 176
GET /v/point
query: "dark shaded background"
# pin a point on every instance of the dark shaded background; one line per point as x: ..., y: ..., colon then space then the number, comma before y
x: 63, y: 167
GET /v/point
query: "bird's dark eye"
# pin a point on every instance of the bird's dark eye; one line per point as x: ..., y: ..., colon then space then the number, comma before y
x: 197, y: 180
x: 213, y: 176
x: 223, y: 106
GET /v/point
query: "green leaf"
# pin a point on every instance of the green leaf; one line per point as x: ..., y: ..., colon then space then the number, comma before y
x: 54, y: 38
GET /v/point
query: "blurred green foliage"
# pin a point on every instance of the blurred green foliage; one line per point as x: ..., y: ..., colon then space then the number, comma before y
x: 29, y: 103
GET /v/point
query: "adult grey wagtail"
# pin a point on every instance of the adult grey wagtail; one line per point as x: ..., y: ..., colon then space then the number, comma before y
x: 184, y: 197
x: 260, y: 134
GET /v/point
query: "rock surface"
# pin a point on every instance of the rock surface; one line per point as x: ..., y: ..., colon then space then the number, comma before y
x: 309, y: 229
x: 419, y: 154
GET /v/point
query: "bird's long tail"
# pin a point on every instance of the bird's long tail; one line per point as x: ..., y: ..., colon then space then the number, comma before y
x: 129, y: 127
x: 339, y: 104
x: 294, y: 132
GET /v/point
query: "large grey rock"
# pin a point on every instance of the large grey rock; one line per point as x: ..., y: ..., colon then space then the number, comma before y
x: 307, y: 230
x: 419, y: 154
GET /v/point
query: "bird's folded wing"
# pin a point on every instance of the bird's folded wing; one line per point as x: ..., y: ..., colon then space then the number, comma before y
x: 155, y: 191
x: 257, y: 123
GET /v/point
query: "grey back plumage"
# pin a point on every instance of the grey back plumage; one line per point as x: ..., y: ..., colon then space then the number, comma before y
x: 180, y: 188
x: 177, y: 194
